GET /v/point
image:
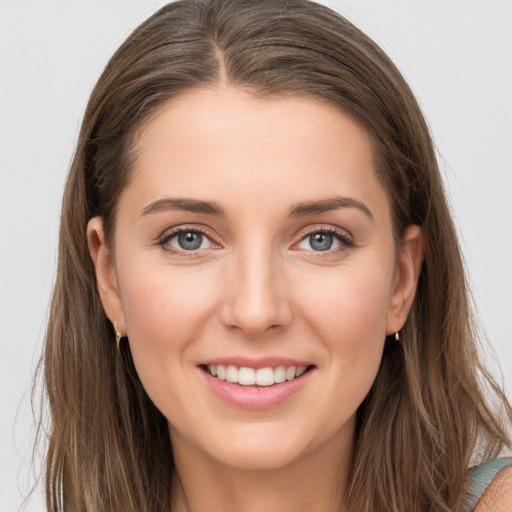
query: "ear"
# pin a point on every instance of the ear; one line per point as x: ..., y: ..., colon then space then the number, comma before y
x: 407, y: 271
x: 106, y: 277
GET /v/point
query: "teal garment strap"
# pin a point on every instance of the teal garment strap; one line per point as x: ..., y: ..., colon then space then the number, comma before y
x: 481, y: 476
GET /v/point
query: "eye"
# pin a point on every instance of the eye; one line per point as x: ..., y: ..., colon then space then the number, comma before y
x: 322, y: 240
x: 183, y: 239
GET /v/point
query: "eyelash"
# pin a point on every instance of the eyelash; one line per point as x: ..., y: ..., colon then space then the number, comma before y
x: 342, y: 237
x: 345, y: 239
x: 164, y: 240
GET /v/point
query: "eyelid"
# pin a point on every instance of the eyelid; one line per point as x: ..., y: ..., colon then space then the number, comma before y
x: 170, y: 233
x: 344, y: 236
x: 325, y: 228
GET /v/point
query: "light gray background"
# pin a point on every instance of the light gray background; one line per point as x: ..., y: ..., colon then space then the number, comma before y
x: 456, y: 54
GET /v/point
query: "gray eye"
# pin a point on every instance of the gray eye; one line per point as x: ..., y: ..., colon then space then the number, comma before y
x: 321, y: 241
x: 190, y: 240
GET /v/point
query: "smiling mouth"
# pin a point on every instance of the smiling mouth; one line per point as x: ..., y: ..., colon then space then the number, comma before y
x: 245, y: 376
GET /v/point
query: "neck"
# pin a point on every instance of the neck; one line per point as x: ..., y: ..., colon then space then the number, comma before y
x: 315, y: 482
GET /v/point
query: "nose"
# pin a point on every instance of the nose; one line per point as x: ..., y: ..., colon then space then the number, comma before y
x: 257, y: 297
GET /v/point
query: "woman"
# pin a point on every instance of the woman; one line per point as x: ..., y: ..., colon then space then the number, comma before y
x: 260, y: 302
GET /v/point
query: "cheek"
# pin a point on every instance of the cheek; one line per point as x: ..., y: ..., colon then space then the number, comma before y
x: 353, y: 306
x: 165, y: 311
x: 349, y: 314
x: 158, y: 298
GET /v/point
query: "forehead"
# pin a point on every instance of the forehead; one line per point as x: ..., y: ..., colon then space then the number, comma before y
x: 228, y: 111
x: 228, y: 143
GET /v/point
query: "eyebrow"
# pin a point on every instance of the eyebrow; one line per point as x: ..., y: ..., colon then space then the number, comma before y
x: 189, y: 205
x: 327, y: 205
x: 214, y: 208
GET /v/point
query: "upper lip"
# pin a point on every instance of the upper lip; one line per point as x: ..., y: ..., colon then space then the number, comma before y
x: 260, y: 362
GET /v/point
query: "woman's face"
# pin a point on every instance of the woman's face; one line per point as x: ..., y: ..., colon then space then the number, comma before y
x: 254, y: 241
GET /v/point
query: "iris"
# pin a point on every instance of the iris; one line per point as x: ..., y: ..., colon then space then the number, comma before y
x: 321, y: 241
x: 190, y: 240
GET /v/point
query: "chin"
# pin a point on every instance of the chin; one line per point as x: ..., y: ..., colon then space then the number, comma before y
x: 255, y: 459
x: 259, y: 448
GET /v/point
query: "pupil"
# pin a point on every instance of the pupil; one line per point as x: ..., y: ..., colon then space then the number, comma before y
x: 190, y: 240
x: 321, y: 241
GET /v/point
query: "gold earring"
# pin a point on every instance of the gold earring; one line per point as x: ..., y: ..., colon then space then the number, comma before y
x: 397, y: 336
x: 118, y: 336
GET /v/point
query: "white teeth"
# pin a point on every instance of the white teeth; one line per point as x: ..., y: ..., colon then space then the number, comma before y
x: 300, y: 370
x: 262, y: 376
x: 232, y: 374
x: 246, y: 376
x: 280, y: 374
x: 290, y: 373
x: 265, y: 377
x: 221, y: 372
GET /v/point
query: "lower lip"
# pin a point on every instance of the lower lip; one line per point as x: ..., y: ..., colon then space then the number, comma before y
x: 256, y: 397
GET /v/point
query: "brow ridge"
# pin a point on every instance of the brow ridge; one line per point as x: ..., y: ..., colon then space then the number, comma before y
x: 189, y: 205
x: 326, y: 205
x: 214, y: 208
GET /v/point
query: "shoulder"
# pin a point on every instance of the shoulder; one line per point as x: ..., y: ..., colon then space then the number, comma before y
x: 498, y: 494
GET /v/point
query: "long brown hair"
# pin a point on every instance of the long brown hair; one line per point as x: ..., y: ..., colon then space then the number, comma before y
x: 428, y: 412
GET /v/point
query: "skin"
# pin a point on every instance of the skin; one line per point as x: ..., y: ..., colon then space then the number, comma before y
x: 498, y: 496
x: 256, y: 287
